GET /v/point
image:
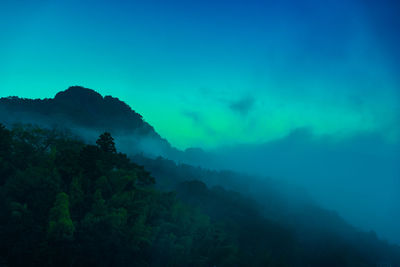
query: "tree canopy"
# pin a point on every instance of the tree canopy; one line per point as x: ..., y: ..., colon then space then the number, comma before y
x: 67, y: 203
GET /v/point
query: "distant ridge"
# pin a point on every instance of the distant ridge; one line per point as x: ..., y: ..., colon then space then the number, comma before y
x: 80, y: 107
x: 83, y: 107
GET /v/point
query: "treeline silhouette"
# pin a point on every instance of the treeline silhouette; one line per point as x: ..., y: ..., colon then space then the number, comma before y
x: 80, y: 106
x: 88, y: 114
x: 67, y: 203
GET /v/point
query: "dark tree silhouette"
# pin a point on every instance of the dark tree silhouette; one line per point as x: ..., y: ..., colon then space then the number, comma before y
x: 106, y: 143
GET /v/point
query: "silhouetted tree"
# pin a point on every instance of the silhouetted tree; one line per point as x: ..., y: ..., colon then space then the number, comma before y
x: 106, y: 143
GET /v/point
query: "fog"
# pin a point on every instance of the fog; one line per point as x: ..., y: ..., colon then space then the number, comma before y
x: 357, y: 176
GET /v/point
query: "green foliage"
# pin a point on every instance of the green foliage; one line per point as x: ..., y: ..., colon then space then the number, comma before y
x: 99, y: 204
x: 5, y: 141
x: 88, y: 205
x: 61, y: 226
x: 65, y: 203
x: 77, y: 197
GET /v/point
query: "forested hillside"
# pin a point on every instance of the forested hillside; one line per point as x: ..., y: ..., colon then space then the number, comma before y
x: 67, y: 203
x: 64, y: 203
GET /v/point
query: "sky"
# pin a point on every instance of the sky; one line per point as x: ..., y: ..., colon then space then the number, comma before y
x: 215, y: 73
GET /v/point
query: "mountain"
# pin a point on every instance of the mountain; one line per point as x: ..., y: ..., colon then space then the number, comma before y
x: 81, y: 107
x: 88, y: 114
x: 261, y: 220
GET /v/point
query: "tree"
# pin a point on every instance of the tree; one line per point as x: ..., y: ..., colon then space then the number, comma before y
x: 99, y: 207
x: 89, y: 159
x: 60, y: 224
x: 5, y: 141
x: 5, y: 153
x: 106, y: 143
x: 77, y: 197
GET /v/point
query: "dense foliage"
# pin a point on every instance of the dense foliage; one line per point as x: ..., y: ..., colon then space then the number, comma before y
x: 67, y: 203
x: 306, y: 234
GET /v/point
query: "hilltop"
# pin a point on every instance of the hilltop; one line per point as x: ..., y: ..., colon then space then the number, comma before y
x: 87, y: 113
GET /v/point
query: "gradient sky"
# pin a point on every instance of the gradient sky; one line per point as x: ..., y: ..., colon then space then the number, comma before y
x: 215, y: 72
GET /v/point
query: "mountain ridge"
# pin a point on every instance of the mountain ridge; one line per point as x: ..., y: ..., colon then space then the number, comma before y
x: 85, y: 101
x: 80, y: 107
x: 87, y: 108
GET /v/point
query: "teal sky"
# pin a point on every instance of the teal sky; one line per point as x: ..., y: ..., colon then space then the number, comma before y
x: 213, y: 73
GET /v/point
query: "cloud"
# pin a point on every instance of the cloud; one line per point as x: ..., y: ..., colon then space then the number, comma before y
x: 357, y: 176
x: 243, y: 105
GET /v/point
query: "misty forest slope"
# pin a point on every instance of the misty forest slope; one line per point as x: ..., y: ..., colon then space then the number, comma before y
x: 86, y: 110
x: 64, y: 201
